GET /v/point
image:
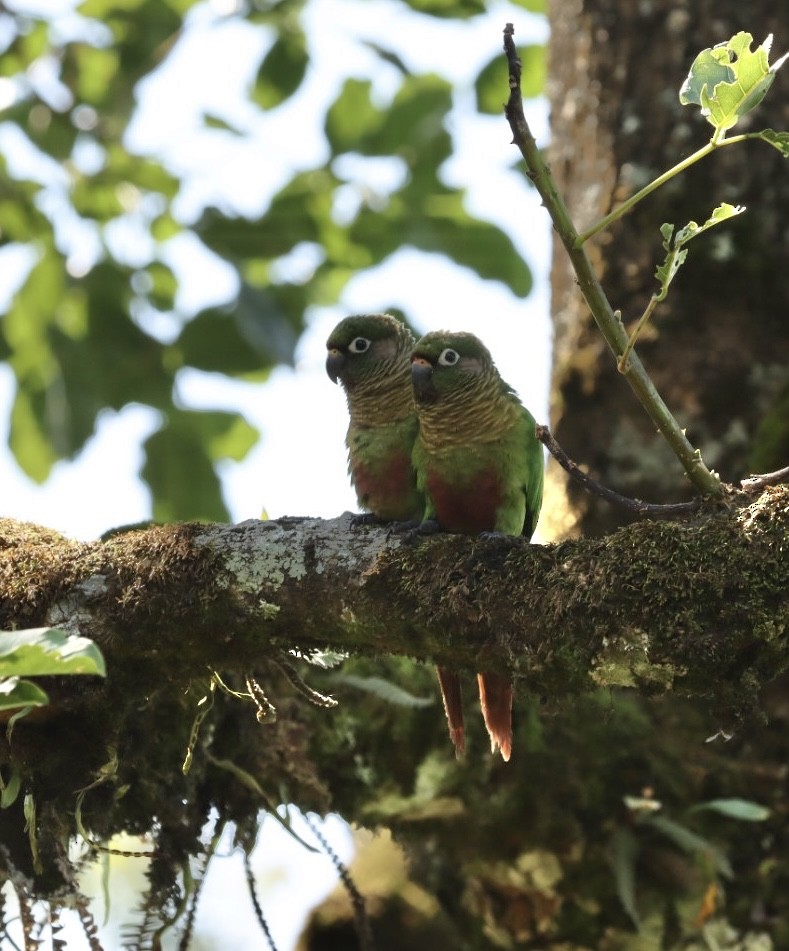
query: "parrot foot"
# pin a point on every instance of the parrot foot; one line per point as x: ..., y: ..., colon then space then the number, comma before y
x: 430, y: 526
x: 400, y: 528
x: 365, y: 518
x: 416, y: 530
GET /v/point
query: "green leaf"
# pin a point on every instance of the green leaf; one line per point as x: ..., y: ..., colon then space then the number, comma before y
x: 211, y: 341
x: 723, y: 212
x: 103, y: 357
x: 691, y: 842
x: 391, y: 806
x: 282, y: 70
x: 212, y: 121
x: 476, y: 244
x: 492, y: 84
x: 10, y: 790
x: 778, y: 140
x: 709, y: 69
x: 438, y: 222
x: 20, y: 220
x: 97, y: 196
x: 179, y: 463
x: 624, y: 851
x: 248, y: 338
x: 233, y: 439
x: 148, y: 175
x: 676, y: 253
x: 162, y: 285
x: 455, y: 9
x: 103, y: 8
x: 27, y: 46
x: 742, y: 809
x: 383, y: 689
x: 352, y: 117
x: 728, y: 80
x: 164, y: 227
x: 27, y: 440
x: 388, y: 56
x: 94, y: 72
x: 414, y: 124
x: 20, y: 693
x: 298, y: 213
x: 48, y: 651
x: 247, y: 780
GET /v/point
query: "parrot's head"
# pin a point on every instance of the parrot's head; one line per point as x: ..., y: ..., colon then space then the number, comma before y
x: 367, y: 347
x: 447, y: 366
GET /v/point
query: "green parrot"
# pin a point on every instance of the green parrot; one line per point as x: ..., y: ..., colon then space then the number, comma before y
x: 370, y: 355
x: 480, y: 466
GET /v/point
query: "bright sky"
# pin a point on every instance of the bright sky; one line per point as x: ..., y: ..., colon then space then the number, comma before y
x: 300, y: 413
x: 299, y: 467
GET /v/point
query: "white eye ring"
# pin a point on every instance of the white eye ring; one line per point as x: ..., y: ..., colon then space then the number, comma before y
x: 359, y: 345
x: 448, y: 357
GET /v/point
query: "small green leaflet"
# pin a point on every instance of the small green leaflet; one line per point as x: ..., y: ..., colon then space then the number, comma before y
x: 730, y: 79
x: 10, y: 790
x: 37, y: 652
x: 673, y: 243
x: 675, y: 258
x: 692, y: 843
x: 778, y: 140
x: 384, y: 690
x: 624, y: 850
x: 46, y: 650
x: 20, y: 693
x: 741, y: 809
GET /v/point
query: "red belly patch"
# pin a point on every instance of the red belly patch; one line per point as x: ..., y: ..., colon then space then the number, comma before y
x: 388, y: 489
x: 467, y: 508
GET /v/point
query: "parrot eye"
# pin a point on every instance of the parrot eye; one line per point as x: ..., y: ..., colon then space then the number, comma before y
x: 359, y: 345
x: 448, y: 357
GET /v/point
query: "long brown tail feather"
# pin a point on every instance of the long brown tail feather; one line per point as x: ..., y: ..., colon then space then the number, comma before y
x: 453, y: 707
x: 495, y: 698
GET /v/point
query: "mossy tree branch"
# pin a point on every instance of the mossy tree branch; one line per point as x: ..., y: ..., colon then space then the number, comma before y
x: 696, y: 608
x: 648, y: 604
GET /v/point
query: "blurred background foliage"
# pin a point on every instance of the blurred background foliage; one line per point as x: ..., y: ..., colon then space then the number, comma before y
x: 96, y: 322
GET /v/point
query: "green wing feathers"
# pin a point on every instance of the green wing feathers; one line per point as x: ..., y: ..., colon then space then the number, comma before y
x: 480, y: 466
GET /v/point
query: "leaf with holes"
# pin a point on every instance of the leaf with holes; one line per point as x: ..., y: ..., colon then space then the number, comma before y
x: 730, y: 79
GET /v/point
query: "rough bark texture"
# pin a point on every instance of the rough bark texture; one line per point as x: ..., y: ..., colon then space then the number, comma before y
x: 720, y: 347
x: 664, y: 604
x: 697, y: 610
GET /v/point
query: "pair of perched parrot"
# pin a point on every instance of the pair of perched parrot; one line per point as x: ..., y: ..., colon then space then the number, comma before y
x: 435, y: 434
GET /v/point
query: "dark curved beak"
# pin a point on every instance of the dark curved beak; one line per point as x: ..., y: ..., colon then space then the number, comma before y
x: 422, y: 379
x: 335, y: 361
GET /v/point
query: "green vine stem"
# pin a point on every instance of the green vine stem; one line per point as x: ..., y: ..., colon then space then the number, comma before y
x: 624, y: 361
x: 717, y: 141
x: 706, y: 482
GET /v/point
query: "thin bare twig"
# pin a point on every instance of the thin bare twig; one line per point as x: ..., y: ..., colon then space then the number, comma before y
x: 755, y: 482
x: 653, y: 509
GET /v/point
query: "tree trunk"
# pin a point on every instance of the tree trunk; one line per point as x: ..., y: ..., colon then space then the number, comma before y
x: 719, y: 345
